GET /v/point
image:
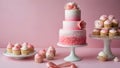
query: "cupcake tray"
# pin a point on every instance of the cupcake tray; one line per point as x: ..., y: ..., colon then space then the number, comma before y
x: 72, y: 56
x: 18, y: 56
x: 107, y: 41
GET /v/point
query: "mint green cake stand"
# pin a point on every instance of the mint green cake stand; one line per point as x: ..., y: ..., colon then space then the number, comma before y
x: 72, y: 56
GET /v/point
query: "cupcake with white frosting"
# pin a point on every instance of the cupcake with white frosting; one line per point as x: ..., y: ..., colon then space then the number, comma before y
x: 102, y: 56
x: 99, y: 24
x: 24, y: 50
x: 112, y: 32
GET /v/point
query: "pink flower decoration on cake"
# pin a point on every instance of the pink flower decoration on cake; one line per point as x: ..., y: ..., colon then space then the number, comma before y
x: 71, y: 5
x: 81, y: 24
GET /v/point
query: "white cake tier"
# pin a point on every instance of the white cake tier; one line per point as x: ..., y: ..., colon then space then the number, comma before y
x: 73, y: 33
x: 71, y: 25
x: 72, y: 15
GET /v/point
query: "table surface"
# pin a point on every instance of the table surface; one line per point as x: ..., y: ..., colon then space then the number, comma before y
x: 88, y: 56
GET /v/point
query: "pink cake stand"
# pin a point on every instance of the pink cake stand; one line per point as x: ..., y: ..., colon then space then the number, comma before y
x: 72, y: 56
x: 107, y: 40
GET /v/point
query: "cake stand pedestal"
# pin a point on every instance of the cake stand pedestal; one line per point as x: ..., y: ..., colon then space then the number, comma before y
x: 72, y: 56
x: 107, y: 47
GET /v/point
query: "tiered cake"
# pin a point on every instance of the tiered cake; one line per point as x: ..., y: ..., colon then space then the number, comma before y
x: 73, y: 31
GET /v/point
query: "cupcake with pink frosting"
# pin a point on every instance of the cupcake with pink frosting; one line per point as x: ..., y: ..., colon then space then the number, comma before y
x: 115, y: 23
x: 31, y: 48
x: 24, y: 49
x: 42, y: 52
x: 103, y: 17
x: 9, y: 47
x: 107, y: 24
x: 38, y: 58
x: 96, y: 31
x: 18, y: 45
x: 104, y: 32
x: 16, y: 50
x: 112, y: 32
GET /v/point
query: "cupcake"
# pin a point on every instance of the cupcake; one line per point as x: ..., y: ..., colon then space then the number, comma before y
x: 116, y: 59
x: 31, y: 48
x: 18, y: 45
x: 38, y: 58
x: 52, y: 49
x: 50, y: 55
x: 111, y: 17
x: 42, y: 52
x: 112, y: 32
x: 104, y: 32
x: 102, y: 56
x: 107, y: 24
x: 96, y: 32
x: 24, y: 50
x: 16, y: 50
x: 115, y: 23
x: 103, y: 17
x: 9, y: 48
x: 99, y: 24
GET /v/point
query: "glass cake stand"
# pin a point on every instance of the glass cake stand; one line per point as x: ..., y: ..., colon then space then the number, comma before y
x: 72, y: 56
x: 107, y: 41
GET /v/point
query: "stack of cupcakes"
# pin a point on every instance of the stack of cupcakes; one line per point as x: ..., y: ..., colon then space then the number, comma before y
x: 20, y: 49
x: 106, y: 26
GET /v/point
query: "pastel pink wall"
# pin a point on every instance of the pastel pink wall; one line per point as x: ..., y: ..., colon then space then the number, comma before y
x: 38, y: 21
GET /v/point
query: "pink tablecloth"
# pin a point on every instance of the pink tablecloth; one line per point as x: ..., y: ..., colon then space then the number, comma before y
x: 88, y: 56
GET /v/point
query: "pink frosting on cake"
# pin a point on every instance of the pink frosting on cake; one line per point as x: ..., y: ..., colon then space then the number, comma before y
x: 15, y: 48
x: 72, y: 40
x: 10, y: 45
x: 72, y: 19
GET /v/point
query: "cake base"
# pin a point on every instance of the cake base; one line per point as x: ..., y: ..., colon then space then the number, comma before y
x: 72, y: 56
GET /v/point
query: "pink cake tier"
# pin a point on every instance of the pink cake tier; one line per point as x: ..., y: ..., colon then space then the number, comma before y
x: 73, y: 32
x: 72, y: 37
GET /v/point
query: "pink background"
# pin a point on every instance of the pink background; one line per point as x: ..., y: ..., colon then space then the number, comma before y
x: 38, y: 21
